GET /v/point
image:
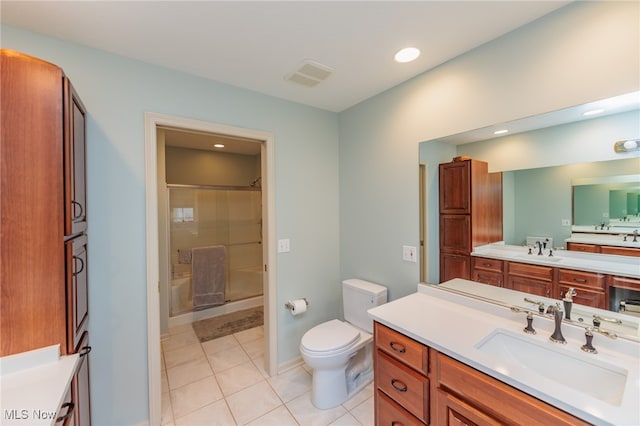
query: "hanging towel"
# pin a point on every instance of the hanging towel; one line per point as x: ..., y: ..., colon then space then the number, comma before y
x: 184, y: 256
x: 208, y: 266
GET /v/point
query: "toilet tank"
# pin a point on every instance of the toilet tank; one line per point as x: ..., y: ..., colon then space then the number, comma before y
x: 358, y: 296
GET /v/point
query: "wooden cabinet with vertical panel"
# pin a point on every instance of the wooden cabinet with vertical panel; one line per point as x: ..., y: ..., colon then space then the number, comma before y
x: 43, y: 266
x: 534, y: 279
x: 487, y: 271
x: 470, y: 213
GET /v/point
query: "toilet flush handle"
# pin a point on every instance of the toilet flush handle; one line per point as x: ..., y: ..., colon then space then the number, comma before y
x: 398, y: 347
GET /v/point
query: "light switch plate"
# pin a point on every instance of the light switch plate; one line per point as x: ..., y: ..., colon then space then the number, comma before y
x: 283, y: 246
x: 409, y: 253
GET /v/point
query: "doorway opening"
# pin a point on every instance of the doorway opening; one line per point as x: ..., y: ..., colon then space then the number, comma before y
x: 159, y: 132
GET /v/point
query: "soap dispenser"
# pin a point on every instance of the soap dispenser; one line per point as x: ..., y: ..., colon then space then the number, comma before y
x: 568, y: 302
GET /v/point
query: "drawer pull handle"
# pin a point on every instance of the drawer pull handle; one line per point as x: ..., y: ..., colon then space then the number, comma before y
x: 69, y: 406
x: 486, y: 265
x: 85, y: 350
x: 397, y: 347
x: 580, y: 280
x: 79, y: 206
x: 402, y: 388
x: 78, y: 269
x: 394, y: 423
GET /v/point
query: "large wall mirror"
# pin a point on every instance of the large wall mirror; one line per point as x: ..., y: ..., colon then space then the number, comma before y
x: 606, y: 203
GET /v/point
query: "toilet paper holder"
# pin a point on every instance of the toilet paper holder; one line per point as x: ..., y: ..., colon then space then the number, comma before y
x: 289, y: 305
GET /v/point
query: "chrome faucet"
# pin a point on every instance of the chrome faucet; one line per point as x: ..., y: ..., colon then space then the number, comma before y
x: 557, y: 333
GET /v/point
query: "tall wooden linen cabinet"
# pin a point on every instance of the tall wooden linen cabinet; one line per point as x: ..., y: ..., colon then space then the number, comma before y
x: 43, y: 269
x: 470, y: 214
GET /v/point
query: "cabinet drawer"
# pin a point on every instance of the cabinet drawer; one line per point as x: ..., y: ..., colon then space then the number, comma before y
x: 532, y: 286
x: 625, y: 282
x: 582, y: 279
x: 620, y: 251
x: 404, y: 385
x: 402, y: 348
x: 532, y: 271
x: 587, y: 248
x: 587, y: 297
x: 390, y: 413
x: 487, y: 264
x: 487, y: 277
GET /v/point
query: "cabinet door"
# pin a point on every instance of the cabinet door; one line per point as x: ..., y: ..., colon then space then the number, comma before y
x: 80, y: 384
x: 455, y: 233
x: 530, y: 285
x: 487, y: 277
x: 587, y: 248
x: 454, y: 266
x: 455, y: 187
x: 75, y: 193
x: 77, y: 290
x: 584, y: 296
x: 454, y: 412
x: 66, y: 412
x: 388, y: 413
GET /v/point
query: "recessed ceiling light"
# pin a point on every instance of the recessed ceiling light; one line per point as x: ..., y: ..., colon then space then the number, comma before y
x: 501, y: 132
x: 407, y: 54
x: 593, y: 112
x: 218, y: 145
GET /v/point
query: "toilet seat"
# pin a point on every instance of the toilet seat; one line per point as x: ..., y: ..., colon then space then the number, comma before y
x: 330, y: 337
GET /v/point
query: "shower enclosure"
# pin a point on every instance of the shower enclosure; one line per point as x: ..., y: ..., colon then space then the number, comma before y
x: 202, y: 216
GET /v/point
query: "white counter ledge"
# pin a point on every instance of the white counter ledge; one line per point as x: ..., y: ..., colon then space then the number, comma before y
x: 455, y: 324
x: 592, y: 262
x: 33, y: 385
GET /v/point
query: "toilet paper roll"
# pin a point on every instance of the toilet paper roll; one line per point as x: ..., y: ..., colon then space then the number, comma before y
x: 299, y: 306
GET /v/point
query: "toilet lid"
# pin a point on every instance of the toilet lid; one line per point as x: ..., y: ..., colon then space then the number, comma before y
x: 330, y: 336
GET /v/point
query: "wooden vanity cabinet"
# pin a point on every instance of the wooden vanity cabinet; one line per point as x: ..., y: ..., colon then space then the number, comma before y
x: 470, y: 206
x: 585, y: 248
x: 534, y: 279
x: 589, y: 286
x: 452, y: 393
x: 487, y: 271
x: 604, y: 249
x: 43, y: 268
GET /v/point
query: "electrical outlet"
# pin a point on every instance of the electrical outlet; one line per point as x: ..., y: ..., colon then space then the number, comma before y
x: 283, y: 246
x: 566, y: 222
x: 409, y: 253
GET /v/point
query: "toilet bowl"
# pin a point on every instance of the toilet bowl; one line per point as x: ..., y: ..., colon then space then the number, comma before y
x: 340, y: 352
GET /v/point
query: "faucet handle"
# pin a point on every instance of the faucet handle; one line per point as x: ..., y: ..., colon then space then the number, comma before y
x: 588, y: 346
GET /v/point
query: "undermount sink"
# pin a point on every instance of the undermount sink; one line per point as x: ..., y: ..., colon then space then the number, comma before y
x: 593, y: 377
x: 544, y: 258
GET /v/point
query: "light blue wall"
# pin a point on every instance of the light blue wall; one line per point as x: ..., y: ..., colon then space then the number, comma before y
x: 561, y: 60
x: 117, y: 92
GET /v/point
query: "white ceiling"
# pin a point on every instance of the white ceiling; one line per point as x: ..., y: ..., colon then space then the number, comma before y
x: 254, y: 44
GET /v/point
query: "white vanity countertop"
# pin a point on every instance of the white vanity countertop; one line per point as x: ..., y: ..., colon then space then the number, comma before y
x: 455, y: 325
x: 33, y: 385
x: 626, y: 266
x: 611, y: 230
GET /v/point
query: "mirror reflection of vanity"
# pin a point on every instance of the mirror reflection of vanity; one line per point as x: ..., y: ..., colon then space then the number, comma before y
x: 541, y: 202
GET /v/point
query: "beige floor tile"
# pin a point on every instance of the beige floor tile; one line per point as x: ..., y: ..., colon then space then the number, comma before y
x: 278, y: 417
x: 250, y: 334
x: 180, y: 329
x: 259, y: 363
x: 215, y: 414
x: 167, y: 411
x: 188, y: 373
x: 359, y: 397
x: 364, y: 412
x: 239, y: 377
x: 220, y: 344
x: 228, y: 358
x: 306, y: 414
x: 164, y: 382
x: 291, y: 384
x: 195, y: 395
x: 176, y: 341
x: 253, y: 402
x: 254, y: 348
x: 190, y: 352
x: 347, y: 420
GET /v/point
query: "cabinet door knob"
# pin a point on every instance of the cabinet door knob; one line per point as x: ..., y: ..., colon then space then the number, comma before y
x: 69, y: 406
x: 85, y: 350
x: 401, y: 388
x: 397, y: 347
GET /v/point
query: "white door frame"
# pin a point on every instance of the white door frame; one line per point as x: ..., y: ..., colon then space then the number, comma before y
x: 151, y: 122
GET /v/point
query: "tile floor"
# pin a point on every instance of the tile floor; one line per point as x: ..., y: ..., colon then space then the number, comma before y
x: 223, y: 382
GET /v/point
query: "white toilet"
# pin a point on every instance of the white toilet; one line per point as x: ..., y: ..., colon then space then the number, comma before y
x: 341, y: 352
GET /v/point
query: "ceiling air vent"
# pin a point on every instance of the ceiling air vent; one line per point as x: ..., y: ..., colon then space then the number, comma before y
x: 309, y: 73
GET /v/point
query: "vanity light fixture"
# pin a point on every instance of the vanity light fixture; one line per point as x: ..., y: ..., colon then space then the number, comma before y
x: 593, y: 112
x: 218, y: 145
x: 501, y: 132
x: 407, y: 54
x: 627, y: 145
